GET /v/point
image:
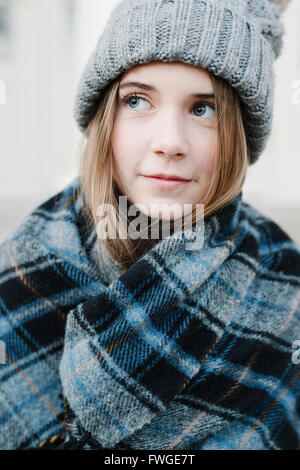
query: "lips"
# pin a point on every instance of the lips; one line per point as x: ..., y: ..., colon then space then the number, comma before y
x: 168, y: 177
x: 167, y: 183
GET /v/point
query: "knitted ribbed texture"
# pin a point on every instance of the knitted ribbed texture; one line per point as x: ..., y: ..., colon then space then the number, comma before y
x: 237, y: 40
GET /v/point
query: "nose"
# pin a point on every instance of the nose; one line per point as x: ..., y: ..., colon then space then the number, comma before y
x: 169, y: 137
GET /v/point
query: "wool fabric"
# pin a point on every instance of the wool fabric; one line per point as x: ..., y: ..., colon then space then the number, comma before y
x: 186, y: 349
x: 237, y: 40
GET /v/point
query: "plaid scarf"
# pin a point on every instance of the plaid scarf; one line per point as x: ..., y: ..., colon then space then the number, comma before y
x: 186, y: 349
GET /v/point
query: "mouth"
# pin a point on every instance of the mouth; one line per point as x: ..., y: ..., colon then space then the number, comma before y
x: 168, y: 177
x: 167, y: 182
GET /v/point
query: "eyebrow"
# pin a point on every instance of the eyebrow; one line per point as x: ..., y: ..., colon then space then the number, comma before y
x: 144, y: 86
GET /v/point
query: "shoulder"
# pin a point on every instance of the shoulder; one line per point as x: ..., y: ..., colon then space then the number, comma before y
x: 50, y: 210
x: 39, y: 228
x: 277, y: 250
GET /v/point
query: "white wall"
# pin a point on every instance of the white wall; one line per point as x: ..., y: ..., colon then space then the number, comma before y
x: 35, y: 122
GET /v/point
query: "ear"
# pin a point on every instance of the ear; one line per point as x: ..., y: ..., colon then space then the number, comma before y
x: 282, y: 4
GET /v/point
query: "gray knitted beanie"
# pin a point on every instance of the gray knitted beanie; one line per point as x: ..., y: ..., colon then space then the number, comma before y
x: 237, y: 40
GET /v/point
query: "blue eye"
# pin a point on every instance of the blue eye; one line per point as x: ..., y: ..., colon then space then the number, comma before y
x: 133, y: 98
x: 200, y: 106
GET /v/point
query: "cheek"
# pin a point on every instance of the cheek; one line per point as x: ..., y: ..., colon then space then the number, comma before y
x: 118, y: 140
x: 208, y: 153
x: 123, y: 145
x: 124, y: 140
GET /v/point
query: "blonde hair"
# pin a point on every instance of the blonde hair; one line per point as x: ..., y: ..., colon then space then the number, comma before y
x: 96, y: 165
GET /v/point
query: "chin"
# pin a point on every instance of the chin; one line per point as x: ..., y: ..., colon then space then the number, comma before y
x: 165, y: 211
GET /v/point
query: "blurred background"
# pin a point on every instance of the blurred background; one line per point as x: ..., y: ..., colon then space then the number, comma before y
x: 44, y: 45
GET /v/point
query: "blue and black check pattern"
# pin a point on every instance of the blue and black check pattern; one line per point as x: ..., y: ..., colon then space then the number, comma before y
x: 186, y: 349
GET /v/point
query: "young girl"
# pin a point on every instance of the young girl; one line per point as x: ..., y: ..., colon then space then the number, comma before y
x: 114, y: 338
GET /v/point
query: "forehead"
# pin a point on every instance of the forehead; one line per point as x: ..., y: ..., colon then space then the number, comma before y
x: 158, y: 71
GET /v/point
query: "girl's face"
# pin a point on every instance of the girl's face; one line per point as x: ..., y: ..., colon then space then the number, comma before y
x: 164, y: 124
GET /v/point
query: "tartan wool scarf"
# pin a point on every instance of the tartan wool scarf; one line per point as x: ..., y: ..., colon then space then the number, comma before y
x: 186, y: 349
